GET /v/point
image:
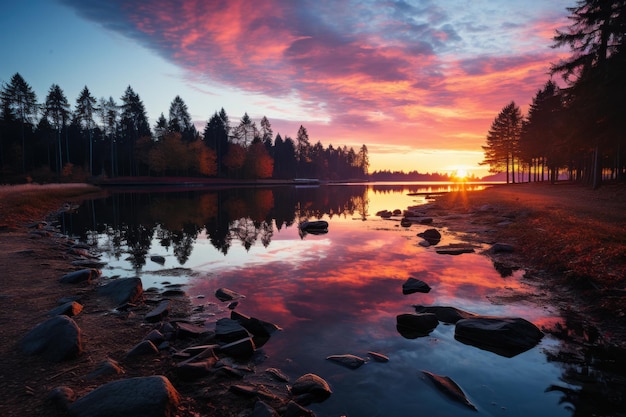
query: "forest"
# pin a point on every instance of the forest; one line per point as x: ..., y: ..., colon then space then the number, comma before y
x: 579, y: 129
x: 50, y: 141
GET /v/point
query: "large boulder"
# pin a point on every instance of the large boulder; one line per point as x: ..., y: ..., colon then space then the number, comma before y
x: 412, y: 326
x: 122, y: 290
x: 57, y: 339
x: 505, y: 336
x: 152, y: 396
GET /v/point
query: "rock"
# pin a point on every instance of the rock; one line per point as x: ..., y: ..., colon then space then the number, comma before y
x: 261, y: 330
x: 454, y: 249
x: 56, y: 339
x: 262, y: 409
x: 449, y: 387
x: 88, y: 263
x: 254, y: 391
x: 277, y: 374
x: 194, y: 370
x: 501, y: 248
x: 312, y: 226
x: 310, y: 388
x: 449, y: 315
x: 432, y: 236
x: 155, y: 336
x: 159, y: 313
x: 385, y: 214
x: 412, y: 285
x: 412, y: 326
x: 405, y: 222
x: 69, y: 309
x: 190, y: 330
x: 107, y: 367
x: 152, y: 396
x: 83, y: 275
x: 122, y: 290
x: 419, y: 220
x: 62, y: 397
x: 294, y: 409
x: 349, y: 361
x: 145, y: 347
x: 378, y: 357
x: 243, y: 348
x: 158, y: 259
x: 229, y: 330
x: 424, y: 243
x: 224, y: 294
x: 505, y: 336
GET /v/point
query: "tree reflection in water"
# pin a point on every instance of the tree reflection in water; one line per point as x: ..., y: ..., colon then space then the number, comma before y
x: 246, y: 215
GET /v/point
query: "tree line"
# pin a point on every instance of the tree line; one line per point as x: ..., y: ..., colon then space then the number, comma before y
x: 578, y: 129
x: 50, y: 140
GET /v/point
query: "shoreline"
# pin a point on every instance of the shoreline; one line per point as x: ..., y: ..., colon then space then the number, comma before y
x: 32, y: 266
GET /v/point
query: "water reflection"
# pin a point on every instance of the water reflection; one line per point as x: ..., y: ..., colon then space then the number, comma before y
x: 333, y: 293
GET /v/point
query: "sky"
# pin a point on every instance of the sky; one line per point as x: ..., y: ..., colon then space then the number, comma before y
x: 419, y: 82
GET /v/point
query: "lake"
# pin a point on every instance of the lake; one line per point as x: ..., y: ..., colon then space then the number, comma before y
x: 333, y: 293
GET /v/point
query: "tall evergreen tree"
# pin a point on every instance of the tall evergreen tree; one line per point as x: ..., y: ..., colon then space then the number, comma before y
x: 85, y: 112
x: 180, y: 120
x: 246, y: 131
x: 133, y: 125
x: 19, y: 101
x: 594, y: 73
x: 542, y: 139
x: 502, y: 149
x: 215, y: 136
x: 363, y: 161
x: 57, y: 111
x: 109, y: 114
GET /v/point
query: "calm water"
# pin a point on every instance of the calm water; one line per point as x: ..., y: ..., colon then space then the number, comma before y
x: 334, y: 293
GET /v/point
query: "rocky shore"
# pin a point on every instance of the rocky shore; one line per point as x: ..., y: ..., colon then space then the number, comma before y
x: 142, y: 347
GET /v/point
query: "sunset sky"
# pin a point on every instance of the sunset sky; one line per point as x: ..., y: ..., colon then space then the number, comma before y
x: 419, y: 82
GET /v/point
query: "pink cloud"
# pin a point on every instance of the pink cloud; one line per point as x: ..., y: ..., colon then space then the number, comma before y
x: 381, y: 72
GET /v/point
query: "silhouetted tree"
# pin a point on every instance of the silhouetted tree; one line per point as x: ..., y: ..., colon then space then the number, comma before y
x: 594, y: 73
x: 109, y: 114
x: 85, y: 112
x: 543, y: 135
x: 57, y: 111
x: 180, y: 120
x: 502, y: 141
x: 19, y: 103
x: 133, y: 125
x: 216, y: 135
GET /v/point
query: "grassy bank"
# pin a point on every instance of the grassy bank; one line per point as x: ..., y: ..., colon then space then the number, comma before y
x: 20, y: 204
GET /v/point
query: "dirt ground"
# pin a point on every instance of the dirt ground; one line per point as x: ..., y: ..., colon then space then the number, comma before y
x: 571, y: 239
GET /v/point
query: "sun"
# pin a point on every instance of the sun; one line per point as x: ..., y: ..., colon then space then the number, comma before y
x: 461, y: 175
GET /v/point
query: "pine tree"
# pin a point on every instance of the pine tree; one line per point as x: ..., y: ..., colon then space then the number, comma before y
x: 502, y: 149
x: 57, y: 112
x: 85, y: 111
x: 20, y: 102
